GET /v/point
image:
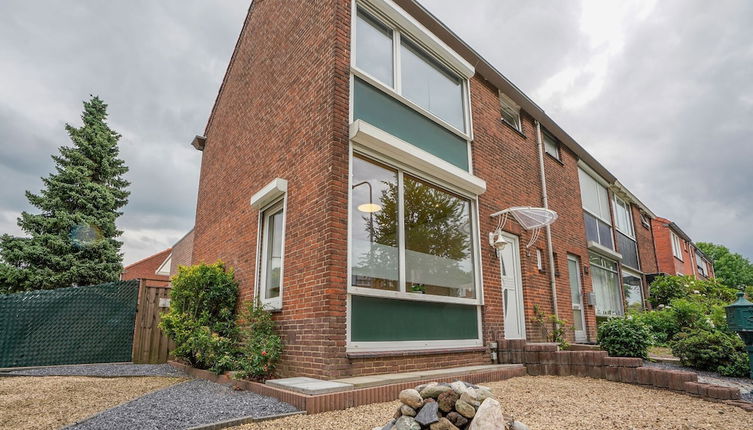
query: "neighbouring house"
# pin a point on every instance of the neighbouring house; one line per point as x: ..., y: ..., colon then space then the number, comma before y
x: 677, y: 254
x: 351, y: 165
x: 149, y: 268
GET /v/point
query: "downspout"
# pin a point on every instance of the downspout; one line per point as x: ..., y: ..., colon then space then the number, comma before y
x: 545, y: 201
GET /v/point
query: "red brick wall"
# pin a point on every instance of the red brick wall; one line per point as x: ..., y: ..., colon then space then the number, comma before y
x: 645, y: 239
x: 667, y: 262
x: 509, y: 162
x: 182, y: 253
x: 283, y: 112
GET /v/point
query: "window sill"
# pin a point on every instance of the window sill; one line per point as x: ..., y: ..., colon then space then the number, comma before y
x: 415, y: 352
x: 400, y: 295
x: 511, y: 127
x: 604, y: 251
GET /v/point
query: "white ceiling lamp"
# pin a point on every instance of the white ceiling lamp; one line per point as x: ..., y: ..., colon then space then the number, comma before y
x: 369, y: 208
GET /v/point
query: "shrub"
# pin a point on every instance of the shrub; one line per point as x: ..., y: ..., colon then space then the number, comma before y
x: 689, y: 314
x: 664, y: 289
x: 662, y: 324
x: 712, y: 350
x: 201, y: 319
x: 260, y: 348
x: 559, y: 326
x: 624, y: 337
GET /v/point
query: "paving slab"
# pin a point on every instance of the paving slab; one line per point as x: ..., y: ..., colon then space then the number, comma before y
x: 310, y: 386
x: 393, y: 378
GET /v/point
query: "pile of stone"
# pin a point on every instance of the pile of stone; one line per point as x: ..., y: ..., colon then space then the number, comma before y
x: 442, y: 406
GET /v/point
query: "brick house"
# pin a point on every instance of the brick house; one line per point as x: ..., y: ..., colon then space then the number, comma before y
x: 148, y: 268
x: 677, y: 254
x: 351, y: 164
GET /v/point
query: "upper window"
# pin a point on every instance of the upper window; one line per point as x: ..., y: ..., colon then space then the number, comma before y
x: 645, y: 220
x: 396, y: 220
x: 374, y: 48
x: 510, y: 112
x: 701, y: 263
x: 676, y: 249
x: 595, y: 196
x: 551, y: 145
x: 622, y: 219
x: 270, y: 275
x: 409, y: 70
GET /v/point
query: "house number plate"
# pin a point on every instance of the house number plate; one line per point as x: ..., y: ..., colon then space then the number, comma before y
x: 164, y: 303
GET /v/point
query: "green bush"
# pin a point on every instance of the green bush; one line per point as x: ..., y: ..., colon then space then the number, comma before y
x: 662, y: 324
x: 624, y: 337
x: 711, y: 350
x: 664, y: 289
x: 201, y: 319
x: 260, y: 347
x: 689, y: 314
x: 709, y: 293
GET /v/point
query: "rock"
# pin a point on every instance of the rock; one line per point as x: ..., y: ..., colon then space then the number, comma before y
x: 398, y: 413
x: 517, y: 425
x: 407, y: 423
x: 470, y: 385
x: 443, y: 424
x: 488, y: 417
x: 387, y: 426
x: 434, y: 391
x: 407, y: 411
x: 458, y: 387
x: 457, y: 419
x: 422, y: 386
x: 465, y: 409
x: 428, y: 414
x: 447, y: 400
x: 471, y: 397
x: 411, y: 398
x: 484, y: 394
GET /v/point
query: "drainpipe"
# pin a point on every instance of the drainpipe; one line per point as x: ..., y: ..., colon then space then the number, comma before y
x: 545, y: 200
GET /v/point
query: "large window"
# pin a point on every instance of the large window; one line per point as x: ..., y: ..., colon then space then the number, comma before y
x: 596, y: 207
x: 626, y: 243
x: 632, y: 285
x: 409, y: 70
x: 622, y: 219
x: 397, y: 221
x: 606, y: 286
x: 270, y: 275
x: 676, y: 248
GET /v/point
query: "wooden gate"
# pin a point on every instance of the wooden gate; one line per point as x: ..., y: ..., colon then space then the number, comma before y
x: 150, y: 345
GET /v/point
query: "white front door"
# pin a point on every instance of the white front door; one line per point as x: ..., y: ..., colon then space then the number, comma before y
x: 512, y: 290
x: 573, y: 272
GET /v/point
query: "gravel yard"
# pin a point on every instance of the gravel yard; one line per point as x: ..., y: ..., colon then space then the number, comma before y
x: 53, y: 402
x: 185, y: 405
x: 554, y: 402
x: 104, y: 370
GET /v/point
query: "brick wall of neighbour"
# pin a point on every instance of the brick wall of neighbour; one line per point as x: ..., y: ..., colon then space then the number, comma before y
x: 147, y: 268
x: 666, y: 260
x: 182, y: 253
x: 283, y: 112
x: 645, y: 238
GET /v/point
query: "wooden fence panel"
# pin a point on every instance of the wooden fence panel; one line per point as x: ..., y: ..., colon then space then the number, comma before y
x: 150, y: 345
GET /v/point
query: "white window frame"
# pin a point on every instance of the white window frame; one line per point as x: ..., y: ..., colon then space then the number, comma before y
x: 421, y: 40
x: 509, y: 106
x: 701, y: 265
x: 546, y: 136
x: 402, y: 294
x: 602, y: 186
x: 616, y: 271
x: 676, y: 247
x: 539, y: 260
x: 272, y: 195
x: 618, y: 205
x: 635, y: 274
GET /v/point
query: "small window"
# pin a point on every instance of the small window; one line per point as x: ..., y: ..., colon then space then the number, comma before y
x: 701, y: 263
x: 623, y: 218
x: 645, y: 220
x: 510, y: 112
x: 539, y: 260
x: 676, y: 247
x: 270, y: 275
x: 374, y: 48
x: 551, y: 146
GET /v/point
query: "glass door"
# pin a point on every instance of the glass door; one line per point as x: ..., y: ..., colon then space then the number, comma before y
x: 512, y: 290
x: 573, y: 269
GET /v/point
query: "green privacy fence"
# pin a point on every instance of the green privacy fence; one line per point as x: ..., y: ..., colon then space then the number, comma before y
x: 69, y: 325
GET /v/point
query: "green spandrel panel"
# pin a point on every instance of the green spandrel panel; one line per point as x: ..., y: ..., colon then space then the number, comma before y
x: 376, y: 319
x: 385, y: 112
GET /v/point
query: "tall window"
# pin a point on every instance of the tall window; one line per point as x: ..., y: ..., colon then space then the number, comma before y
x: 398, y: 218
x: 626, y: 243
x: 606, y: 286
x: 702, y: 267
x: 676, y: 248
x: 270, y: 276
x: 551, y: 145
x: 409, y: 71
x: 510, y: 112
x: 596, y: 207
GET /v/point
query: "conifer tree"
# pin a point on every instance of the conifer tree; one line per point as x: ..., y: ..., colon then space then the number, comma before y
x: 72, y: 240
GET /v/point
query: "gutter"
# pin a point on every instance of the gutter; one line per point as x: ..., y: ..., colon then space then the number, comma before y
x: 545, y: 202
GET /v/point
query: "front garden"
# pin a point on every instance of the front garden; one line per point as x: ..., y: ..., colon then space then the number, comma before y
x: 688, y: 319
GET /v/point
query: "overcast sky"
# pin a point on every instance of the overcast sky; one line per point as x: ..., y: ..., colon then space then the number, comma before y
x: 661, y: 92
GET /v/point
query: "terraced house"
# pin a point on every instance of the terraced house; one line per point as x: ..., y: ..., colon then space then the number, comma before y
x: 354, y: 165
